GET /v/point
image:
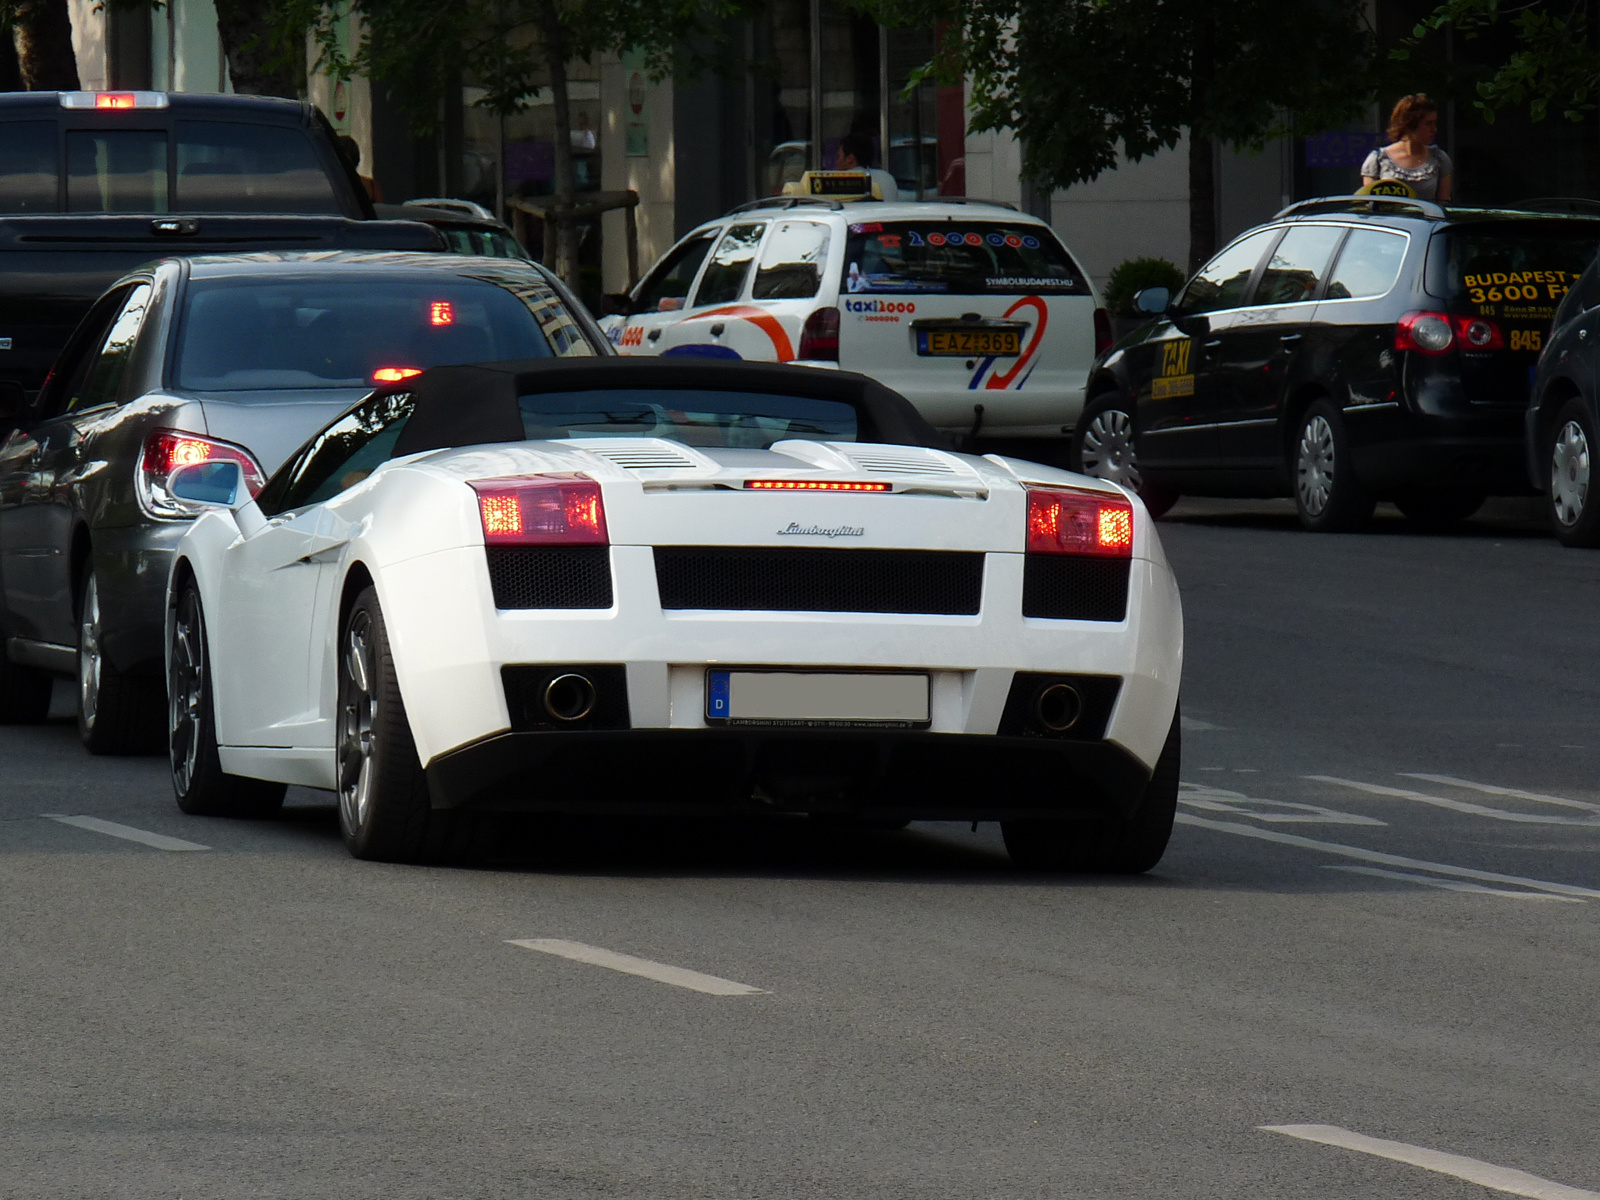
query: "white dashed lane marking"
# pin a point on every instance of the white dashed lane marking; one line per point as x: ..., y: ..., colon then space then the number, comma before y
x: 127, y: 833
x: 1462, y: 806
x: 1386, y: 860
x: 629, y: 965
x: 1490, y: 789
x: 1500, y: 1179
x: 1449, y: 885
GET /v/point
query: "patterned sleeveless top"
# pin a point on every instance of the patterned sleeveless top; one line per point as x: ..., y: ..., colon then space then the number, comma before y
x: 1423, y: 178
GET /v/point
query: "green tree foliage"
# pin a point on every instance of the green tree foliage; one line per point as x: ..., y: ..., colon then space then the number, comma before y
x: 1082, y: 82
x: 1133, y: 276
x: 41, y: 33
x: 420, y: 49
x: 1552, y: 65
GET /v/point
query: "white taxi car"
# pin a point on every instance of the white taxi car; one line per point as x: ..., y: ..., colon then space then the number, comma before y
x: 975, y: 313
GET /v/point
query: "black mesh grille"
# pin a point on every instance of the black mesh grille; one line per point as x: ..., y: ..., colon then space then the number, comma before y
x: 1075, y: 589
x: 815, y: 580
x: 550, y: 576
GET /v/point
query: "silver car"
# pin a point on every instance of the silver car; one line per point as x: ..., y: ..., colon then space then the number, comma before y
x: 233, y: 357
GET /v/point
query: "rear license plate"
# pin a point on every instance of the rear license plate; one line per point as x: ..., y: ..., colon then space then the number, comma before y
x: 817, y: 698
x: 958, y: 343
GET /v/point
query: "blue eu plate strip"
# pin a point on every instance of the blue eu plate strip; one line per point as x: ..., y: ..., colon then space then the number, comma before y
x: 717, y: 695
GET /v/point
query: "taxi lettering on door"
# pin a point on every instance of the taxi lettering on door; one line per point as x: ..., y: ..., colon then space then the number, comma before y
x: 1175, y: 378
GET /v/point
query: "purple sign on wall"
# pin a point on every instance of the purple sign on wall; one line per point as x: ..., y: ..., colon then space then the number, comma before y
x: 529, y: 159
x: 1340, y: 149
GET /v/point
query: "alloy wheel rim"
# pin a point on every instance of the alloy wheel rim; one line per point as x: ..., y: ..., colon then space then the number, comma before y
x: 185, y: 691
x: 1314, y: 465
x: 89, y: 657
x: 1108, y: 448
x: 356, y: 675
x: 1569, y: 473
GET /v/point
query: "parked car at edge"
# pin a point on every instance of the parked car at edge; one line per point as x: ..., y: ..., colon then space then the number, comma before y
x: 466, y: 226
x: 1349, y: 351
x: 229, y: 358
x: 667, y: 587
x: 975, y: 313
x: 1563, y: 416
x: 93, y: 184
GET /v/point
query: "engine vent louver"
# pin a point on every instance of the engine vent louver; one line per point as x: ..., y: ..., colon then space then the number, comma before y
x: 783, y: 579
x: 644, y: 458
x: 889, y: 463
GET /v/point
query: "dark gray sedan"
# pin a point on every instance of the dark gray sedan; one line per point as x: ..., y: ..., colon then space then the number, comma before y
x: 236, y: 357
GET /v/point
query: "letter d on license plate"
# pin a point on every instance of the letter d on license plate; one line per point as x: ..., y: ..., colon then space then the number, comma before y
x: 817, y: 698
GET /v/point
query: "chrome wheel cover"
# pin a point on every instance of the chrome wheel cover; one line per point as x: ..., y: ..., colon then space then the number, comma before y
x: 1314, y: 465
x: 1108, y: 448
x: 186, y: 685
x: 357, y: 677
x: 1569, y: 474
x: 89, y: 657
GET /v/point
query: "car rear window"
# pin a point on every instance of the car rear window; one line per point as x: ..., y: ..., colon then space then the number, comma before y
x: 959, y: 257
x: 30, y: 167
x: 1517, y: 271
x: 268, y: 333
x: 226, y: 166
x: 697, y: 418
x: 123, y: 170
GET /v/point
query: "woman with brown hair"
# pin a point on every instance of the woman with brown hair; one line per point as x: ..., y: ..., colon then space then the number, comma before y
x: 1411, y: 157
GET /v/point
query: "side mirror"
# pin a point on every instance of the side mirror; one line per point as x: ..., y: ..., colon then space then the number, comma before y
x: 210, y: 485
x: 1153, y: 300
x: 616, y: 304
x: 13, y: 401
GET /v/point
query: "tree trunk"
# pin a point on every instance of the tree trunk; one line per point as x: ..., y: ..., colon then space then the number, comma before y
x: 559, y: 223
x: 246, y: 35
x: 42, y: 34
x: 1202, y: 148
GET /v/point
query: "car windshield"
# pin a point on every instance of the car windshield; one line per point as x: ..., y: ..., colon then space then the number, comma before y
x: 959, y: 257
x: 353, y: 329
x: 692, y: 416
x: 1519, y: 272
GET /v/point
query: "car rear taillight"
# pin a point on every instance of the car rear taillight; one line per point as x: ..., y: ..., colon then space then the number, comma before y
x: 1074, y: 522
x: 541, y: 510
x: 395, y: 374
x: 168, y: 450
x: 1102, y: 332
x: 819, y: 338
x: 1478, y: 333
x: 1424, y: 332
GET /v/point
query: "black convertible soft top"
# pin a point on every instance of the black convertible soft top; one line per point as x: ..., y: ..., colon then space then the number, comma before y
x: 477, y: 404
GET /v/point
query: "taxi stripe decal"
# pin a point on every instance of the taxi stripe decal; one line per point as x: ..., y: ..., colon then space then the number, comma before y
x: 762, y: 320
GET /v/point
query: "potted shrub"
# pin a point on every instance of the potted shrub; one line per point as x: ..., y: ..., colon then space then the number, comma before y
x: 1127, y: 281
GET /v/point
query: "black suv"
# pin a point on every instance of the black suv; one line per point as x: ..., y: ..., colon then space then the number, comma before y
x: 1350, y: 350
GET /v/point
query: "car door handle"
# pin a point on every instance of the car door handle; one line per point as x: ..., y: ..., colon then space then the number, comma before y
x: 1291, y: 339
x: 1213, y: 343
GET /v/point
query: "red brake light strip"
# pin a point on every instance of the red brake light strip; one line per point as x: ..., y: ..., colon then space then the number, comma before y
x: 813, y: 485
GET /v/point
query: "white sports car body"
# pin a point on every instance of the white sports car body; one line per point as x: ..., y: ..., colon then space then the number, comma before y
x: 624, y: 586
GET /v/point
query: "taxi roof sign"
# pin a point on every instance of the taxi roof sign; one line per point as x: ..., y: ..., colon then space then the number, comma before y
x: 835, y: 185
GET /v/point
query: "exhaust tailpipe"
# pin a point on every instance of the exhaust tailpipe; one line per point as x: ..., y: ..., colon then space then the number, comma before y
x: 1058, y: 707
x: 569, y: 697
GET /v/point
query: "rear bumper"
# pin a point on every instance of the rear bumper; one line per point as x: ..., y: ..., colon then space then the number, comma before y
x: 1395, y: 450
x: 890, y: 773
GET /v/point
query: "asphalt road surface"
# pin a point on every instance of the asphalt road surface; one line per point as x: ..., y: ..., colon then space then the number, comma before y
x: 1376, y: 925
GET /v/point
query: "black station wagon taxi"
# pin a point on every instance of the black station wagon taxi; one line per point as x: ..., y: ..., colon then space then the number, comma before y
x: 1349, y: 351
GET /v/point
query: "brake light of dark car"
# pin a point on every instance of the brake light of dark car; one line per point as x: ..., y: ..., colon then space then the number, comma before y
x: 113, y: 100
x: 541, y: 510
x: 394, y: 374
x: 1102, y: 332
x: 441, y: 312
x: 1062, y: 521
x: 168, y: 450
x: 819, y: 338
x: 1424, y: 332
x: 1479, y: 333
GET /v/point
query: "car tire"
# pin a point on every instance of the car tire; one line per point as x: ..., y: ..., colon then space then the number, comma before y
x: 24, y: 692
x: 1438, y: 510
x: 1103, y: 448
x: 1570, y: 452
x: 385, y: 810
x: 118, y: 713
x: 199, y: 783
x: 1327, y: 494
x: 1127, y: 847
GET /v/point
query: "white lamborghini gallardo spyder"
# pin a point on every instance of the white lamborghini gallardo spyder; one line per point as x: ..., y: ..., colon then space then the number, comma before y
x: 636, y: 586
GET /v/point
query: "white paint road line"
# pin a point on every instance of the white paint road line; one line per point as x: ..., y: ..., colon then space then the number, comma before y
x: 1215, y: 799
x: 127, y: 832
x: 1501, y: 1179
x: 1464, y: 806
x: 1515, y: 793
x: 1387, y: 860
x: 1450, y: 885
x: 629, y: 965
